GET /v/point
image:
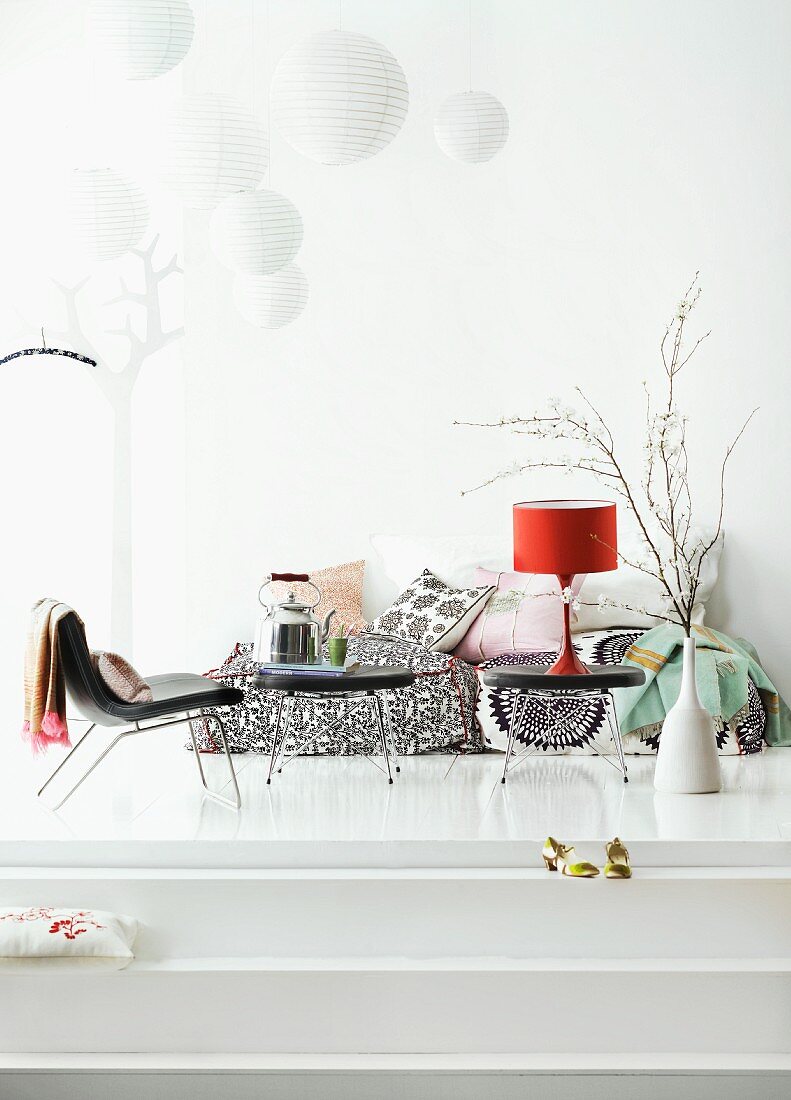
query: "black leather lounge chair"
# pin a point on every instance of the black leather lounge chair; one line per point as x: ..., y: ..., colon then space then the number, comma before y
x: 177, y: 698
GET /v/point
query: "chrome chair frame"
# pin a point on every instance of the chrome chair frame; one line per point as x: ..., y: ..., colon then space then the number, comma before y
x: 157, y: 724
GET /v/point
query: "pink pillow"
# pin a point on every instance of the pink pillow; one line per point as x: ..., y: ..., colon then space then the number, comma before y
x: 525, y: 615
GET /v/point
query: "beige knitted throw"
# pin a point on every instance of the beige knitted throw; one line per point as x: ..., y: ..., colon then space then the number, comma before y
x: 45, y: 688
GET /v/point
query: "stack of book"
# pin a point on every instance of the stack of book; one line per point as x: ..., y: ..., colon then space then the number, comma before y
x: 324, y: 669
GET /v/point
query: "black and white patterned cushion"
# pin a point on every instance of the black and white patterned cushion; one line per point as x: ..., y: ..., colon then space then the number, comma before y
x: 434, y: 714
x: 431, y: 613
x: 576, y: 723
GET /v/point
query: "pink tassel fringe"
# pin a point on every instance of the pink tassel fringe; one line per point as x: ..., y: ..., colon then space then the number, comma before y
x: 54, y: 731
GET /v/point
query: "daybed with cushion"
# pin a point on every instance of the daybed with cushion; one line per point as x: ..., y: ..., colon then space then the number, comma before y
x: 447, y: 709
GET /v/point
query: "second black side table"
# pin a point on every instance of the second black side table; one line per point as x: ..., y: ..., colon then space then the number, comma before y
x: 533, y: 680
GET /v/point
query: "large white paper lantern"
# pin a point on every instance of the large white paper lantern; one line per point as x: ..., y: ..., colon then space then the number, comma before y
x: 471, y: 127
x: 143, y: 38
x: 271, y: 301
x: 256, y: 232
x: 339, y: 97
x: 109, y: 212
x: 216, y: 147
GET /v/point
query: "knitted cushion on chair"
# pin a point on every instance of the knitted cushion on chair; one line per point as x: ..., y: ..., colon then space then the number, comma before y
x: 124, y: 681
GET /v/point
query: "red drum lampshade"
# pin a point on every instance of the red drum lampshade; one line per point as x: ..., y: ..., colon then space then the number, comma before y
x: 565, y: 537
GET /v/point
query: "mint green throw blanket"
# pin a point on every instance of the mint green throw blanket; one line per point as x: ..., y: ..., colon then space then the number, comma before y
x: 723, y: 669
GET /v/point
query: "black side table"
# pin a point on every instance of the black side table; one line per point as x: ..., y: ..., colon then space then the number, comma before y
x: 357, y: 688
x: 533, y: 680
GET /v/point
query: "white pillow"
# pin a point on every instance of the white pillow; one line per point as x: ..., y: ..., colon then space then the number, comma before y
x: 628, y: 585
x: 65, y: 939
x: 397, y: 559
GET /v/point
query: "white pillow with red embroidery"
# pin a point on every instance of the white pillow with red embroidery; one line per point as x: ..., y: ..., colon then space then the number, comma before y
x: 68, y: 939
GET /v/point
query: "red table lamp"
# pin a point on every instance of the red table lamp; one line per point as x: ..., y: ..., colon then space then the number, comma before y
x: 565, y: 537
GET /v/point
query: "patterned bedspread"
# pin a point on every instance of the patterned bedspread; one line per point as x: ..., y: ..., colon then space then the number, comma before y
x: 575, y: 724
x: 435, y: 714
x: 445, y: 710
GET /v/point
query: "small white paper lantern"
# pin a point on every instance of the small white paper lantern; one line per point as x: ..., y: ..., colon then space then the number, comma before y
x: 471, y: 127
x: 216, y: 147
x: 143, y: 38
x: 339, y: 97
x: 256, y: 232
x: 109, y: 212
x: 271, y: 301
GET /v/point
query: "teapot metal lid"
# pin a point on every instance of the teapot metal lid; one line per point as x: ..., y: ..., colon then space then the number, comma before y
x: 290, y: 603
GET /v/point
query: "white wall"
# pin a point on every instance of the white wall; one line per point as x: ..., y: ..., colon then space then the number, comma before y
x: 63, y: 110
x: 647, y: 140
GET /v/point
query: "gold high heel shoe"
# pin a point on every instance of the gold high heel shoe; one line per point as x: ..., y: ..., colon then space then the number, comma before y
x: 550, y: 853
x: 557, y: 855
x: 617, y: 865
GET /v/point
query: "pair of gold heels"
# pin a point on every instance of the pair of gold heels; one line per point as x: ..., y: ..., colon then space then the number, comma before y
x: 560, y: 857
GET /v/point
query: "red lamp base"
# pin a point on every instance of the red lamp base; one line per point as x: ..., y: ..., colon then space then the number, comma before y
x: 567, y: 663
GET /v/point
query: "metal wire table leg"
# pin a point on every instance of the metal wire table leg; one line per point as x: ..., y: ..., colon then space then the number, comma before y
x: 391, y: 731
x: 615, y: 729
x: 512, y: 728
x: 275, y: 736
x: 281, y: 759
x: 380, y: 723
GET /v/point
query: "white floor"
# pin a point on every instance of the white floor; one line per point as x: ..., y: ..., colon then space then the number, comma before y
x: 336, y: 915
x: 147, y: 793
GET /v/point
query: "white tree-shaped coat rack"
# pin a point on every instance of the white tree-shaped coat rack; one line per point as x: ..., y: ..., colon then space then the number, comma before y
x: 117, y: 387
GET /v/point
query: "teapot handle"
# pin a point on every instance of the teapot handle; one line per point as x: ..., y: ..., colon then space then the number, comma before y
x: 288, y: 577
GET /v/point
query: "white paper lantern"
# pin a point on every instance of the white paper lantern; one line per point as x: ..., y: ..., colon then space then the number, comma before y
x: 109, y: 212
x: 216, y: 147
x: 271, y: 301
x: 471, y: 127
x: 143, y: 38
x: 256, y: 232
x: 339, y: 97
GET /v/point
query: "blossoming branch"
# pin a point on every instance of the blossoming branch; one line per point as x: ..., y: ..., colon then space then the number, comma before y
x: 660, y: 499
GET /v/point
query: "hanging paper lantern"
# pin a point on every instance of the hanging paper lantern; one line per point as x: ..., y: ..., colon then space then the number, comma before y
x: 216, y: 147
x: 256, y: 232
x: 271, y: 301
x: 109, y: 212
x: 339, y: 97
x: 144, y: 38
x: 471, y: 127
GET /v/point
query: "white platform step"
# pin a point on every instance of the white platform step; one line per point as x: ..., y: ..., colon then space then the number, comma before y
x: 666, y: 913
x: 484, y: 1005
x: 416, y: 960
x: 459, y: 1076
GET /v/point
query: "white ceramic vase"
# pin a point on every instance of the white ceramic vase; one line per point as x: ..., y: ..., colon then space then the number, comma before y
x: 687, y: 761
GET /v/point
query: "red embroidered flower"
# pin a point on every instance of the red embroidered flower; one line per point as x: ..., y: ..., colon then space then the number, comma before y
x: 71, y: 925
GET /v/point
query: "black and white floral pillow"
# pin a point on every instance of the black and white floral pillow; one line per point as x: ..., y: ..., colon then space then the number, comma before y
x: 431, y: 613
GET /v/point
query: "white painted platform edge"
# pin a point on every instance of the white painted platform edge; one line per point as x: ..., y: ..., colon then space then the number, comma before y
x: 506, y: 1063
x: 480, y: 964
x: 364, y: 854
x: 386, y: 874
